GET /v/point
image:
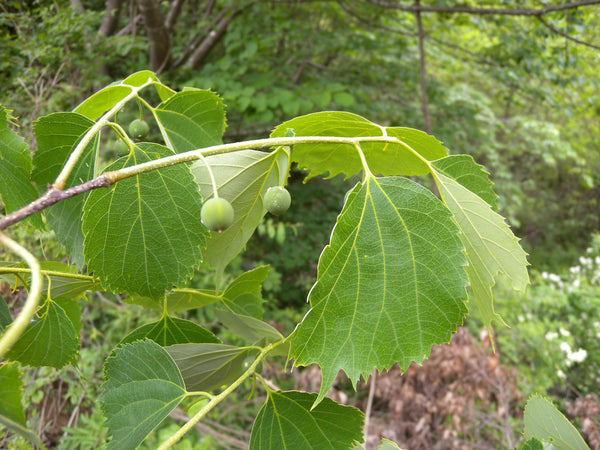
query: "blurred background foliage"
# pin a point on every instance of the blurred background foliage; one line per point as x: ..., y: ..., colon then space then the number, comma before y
x: 516, y: 92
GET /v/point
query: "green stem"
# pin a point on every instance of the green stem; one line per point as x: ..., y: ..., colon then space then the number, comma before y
x: 121, y: 133
x: 61, y: 180
x: 211, y: 175
x: 194, y: 155
x: 16, y: 329
x: 366, y: 169
x: 49, y: 273
x: 217, y: 399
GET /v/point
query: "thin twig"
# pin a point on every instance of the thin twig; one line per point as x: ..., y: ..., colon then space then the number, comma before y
x: 370, y: 404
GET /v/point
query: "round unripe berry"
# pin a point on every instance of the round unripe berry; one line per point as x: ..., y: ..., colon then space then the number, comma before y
x: 217, y: 214
x: 277, y: 200
x: 138, y: 129
x: 121, y: 147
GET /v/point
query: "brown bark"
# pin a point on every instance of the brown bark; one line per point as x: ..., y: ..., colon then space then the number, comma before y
x: 173, y: 14
x: 211, y: 39
x: 158, y: 36
x: 486, y: 11
x: 109, y: 24
x: 422, y: 71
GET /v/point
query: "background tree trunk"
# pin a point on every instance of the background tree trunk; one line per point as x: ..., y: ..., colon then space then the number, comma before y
x: 111, y: 18
x: 158, y: 37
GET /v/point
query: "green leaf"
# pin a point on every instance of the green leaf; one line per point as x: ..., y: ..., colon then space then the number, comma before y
x: 244, y: 294
x: 242, y: 178
x: 150, y: 223
x: 531, y: 444
x: 248, y: 328
x: 386, y: 444
x: 471, y: 175
x: 178, y: 300
x: 97, y: 104
x: 16, y: 189
x: 390, y: 284
x: 11, y: 388
x: 12, y: 415
x: 5, y: 317
x: 382, y: 158
x: 171, y: 331
x: 544, y: 422
x: 49, y: 340
x: 73, y: 311
x: 286, y: 420
x: 206, y: 367
x: 139, y: 78
x: 143, y: 385
x: 105, y: 99
x: 192, y: 119
x: 491, y: 247
x: 57, y: 135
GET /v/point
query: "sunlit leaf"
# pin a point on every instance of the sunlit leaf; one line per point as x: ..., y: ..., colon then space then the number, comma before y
x: 192, y: 119
x: 96, y: 105
x: 382, y: 158
x: 143, y: 385
x: 16, y: 189
x: 57, y: 135
x: 150, y: 223
x: 50, y: 339
x: 386, y: 444
x: 12, y: 415
x: 390, y: 284
x: 471, y: 175
x: 105, y: 99
x: 242, y: 178
x: 206, y: 367
x: 170, y: 331
x: 286, y: 420
x: 490, y: 245
x: 139, y: 78
x: 544, y: 422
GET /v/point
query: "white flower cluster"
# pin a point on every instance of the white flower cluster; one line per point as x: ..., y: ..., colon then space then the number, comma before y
x: 578, y: 356
x: 588, y: 270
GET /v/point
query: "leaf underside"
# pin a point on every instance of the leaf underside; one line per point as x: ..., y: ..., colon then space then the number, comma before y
x: 390, y: 284
x: 382, y: 158
x: 490, y: 245
x: 242, y: 178
x: 206, y: 367
x: 544, y: 422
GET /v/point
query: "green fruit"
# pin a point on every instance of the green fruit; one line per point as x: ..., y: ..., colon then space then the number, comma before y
x: 121, y: 147
x: 277, y: 200
x: 217, y: 214
x: 138, y: 129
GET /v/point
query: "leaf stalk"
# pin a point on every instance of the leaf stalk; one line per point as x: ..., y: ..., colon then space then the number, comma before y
x: 16, y: 329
